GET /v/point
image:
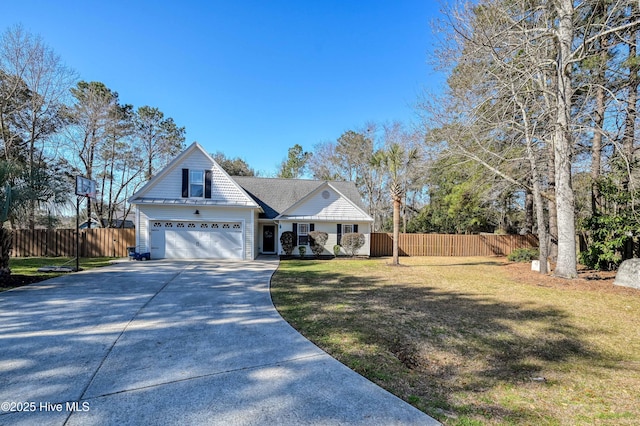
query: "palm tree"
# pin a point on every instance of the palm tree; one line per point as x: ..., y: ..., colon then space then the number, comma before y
x: 398, y: 161
x: 8, y: 195
x: 5, y: 234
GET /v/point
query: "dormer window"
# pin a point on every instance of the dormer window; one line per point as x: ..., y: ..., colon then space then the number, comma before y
x: 196, y: 183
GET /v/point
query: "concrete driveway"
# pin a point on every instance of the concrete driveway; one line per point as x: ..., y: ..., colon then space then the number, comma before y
x: 164, y: 342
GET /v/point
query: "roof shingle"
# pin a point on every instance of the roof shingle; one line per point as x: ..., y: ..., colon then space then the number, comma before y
x: 276, y: 195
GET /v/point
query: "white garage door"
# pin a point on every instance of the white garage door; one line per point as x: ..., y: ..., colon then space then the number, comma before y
x: 196, y: 240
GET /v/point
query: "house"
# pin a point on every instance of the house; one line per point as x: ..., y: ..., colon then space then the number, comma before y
x: 94, y: 224
x: 117, y: 223
x: 193, y: 209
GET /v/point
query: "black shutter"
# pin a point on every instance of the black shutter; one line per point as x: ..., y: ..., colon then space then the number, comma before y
x: 355, y: 228
x: 295, y: 234
x: 339, y: 232
x: 207, y: 184
x: 311, y: 227
x: 185, y: 183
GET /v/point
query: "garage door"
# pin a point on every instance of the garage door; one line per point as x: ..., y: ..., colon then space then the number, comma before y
x: 196, y: 240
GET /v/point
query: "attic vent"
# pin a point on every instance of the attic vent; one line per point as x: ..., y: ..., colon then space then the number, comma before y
x: 325, y: 195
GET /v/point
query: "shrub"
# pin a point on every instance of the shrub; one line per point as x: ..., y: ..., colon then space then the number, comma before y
x: 523, y: 255
x: 302, y: 250
x: 336, y: 250
x: 317, y: 240
x: 607, y: 238
x: 286, y: 240
x: 352, y: 242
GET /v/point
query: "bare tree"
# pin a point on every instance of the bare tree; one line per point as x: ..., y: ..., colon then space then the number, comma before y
x: 513, y: 60
x: 90, y: 117
x: 36, y: 82
x: 356, y: 156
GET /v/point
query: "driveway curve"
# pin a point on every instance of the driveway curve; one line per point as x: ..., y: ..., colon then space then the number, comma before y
x: 186, y: 342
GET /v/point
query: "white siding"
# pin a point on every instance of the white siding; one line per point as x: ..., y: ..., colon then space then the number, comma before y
x: 222, y: 187
x: 330, y: 208
x: 149, y: 212
x: 256, y: 233
x: 331, y: 229
x: 140, y: 225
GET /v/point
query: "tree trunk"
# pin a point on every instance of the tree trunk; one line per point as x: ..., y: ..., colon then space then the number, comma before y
x: 596, y: 147
x: 404, y: 214
x: 565, y: 203
x: 5, y: 251
x: 539, y: 205
x: 552, y: 236
x: 632, y: 99
x: 32, y: 148
x: 396, y: 230
x: 528, y: 210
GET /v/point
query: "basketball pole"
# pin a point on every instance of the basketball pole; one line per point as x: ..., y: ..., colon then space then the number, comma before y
x: 85, y: 188
x: 77, y: 233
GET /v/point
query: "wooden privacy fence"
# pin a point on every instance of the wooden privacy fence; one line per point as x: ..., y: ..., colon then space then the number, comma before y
x: 100, y: 242
x: 450, y: 245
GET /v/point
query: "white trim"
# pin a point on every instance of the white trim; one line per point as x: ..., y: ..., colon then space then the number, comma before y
x: 203, y: 184
x: 253, y: 237
x: 204, y: 202
x: 338, y: 219
x: 347, y: 224
x: 137, y: 229
x: 307, y: 224
x: 275, y: 238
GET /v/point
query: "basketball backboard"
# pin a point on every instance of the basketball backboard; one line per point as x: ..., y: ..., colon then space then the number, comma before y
x: 85, y: 187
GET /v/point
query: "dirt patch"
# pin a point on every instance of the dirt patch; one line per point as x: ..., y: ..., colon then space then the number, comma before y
x: 588, y: 280
x: 13, y: 281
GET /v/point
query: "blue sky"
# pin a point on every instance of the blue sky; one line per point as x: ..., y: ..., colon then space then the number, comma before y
x: 248, y: 78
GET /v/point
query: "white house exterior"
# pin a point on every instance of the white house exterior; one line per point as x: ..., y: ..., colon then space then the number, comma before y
x: 193, y: 209
x: 325, y: 209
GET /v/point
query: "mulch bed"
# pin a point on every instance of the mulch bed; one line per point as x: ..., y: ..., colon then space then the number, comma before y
x: 588, y: 279
x: 14, y: 281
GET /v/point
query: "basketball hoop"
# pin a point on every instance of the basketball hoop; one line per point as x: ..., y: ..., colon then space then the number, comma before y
x: 85, y: 187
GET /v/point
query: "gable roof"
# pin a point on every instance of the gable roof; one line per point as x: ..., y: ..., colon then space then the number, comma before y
x: 320, y: 205
x: 225, y: 191
x: 276, y: 195
x: 273, y: 196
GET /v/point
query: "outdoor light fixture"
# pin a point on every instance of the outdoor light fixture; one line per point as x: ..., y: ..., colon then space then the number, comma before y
x: 197, y: 212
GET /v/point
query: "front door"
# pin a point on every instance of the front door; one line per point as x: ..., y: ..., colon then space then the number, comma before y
x: 268, y: 239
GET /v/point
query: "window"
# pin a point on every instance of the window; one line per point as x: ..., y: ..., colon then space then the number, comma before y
x: 196, y: 183
x: 345, y: 229
x: 303, y: 234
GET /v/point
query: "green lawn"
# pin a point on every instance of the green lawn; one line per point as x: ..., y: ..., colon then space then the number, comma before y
x: 25, y: 270
x: 469, y: 343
